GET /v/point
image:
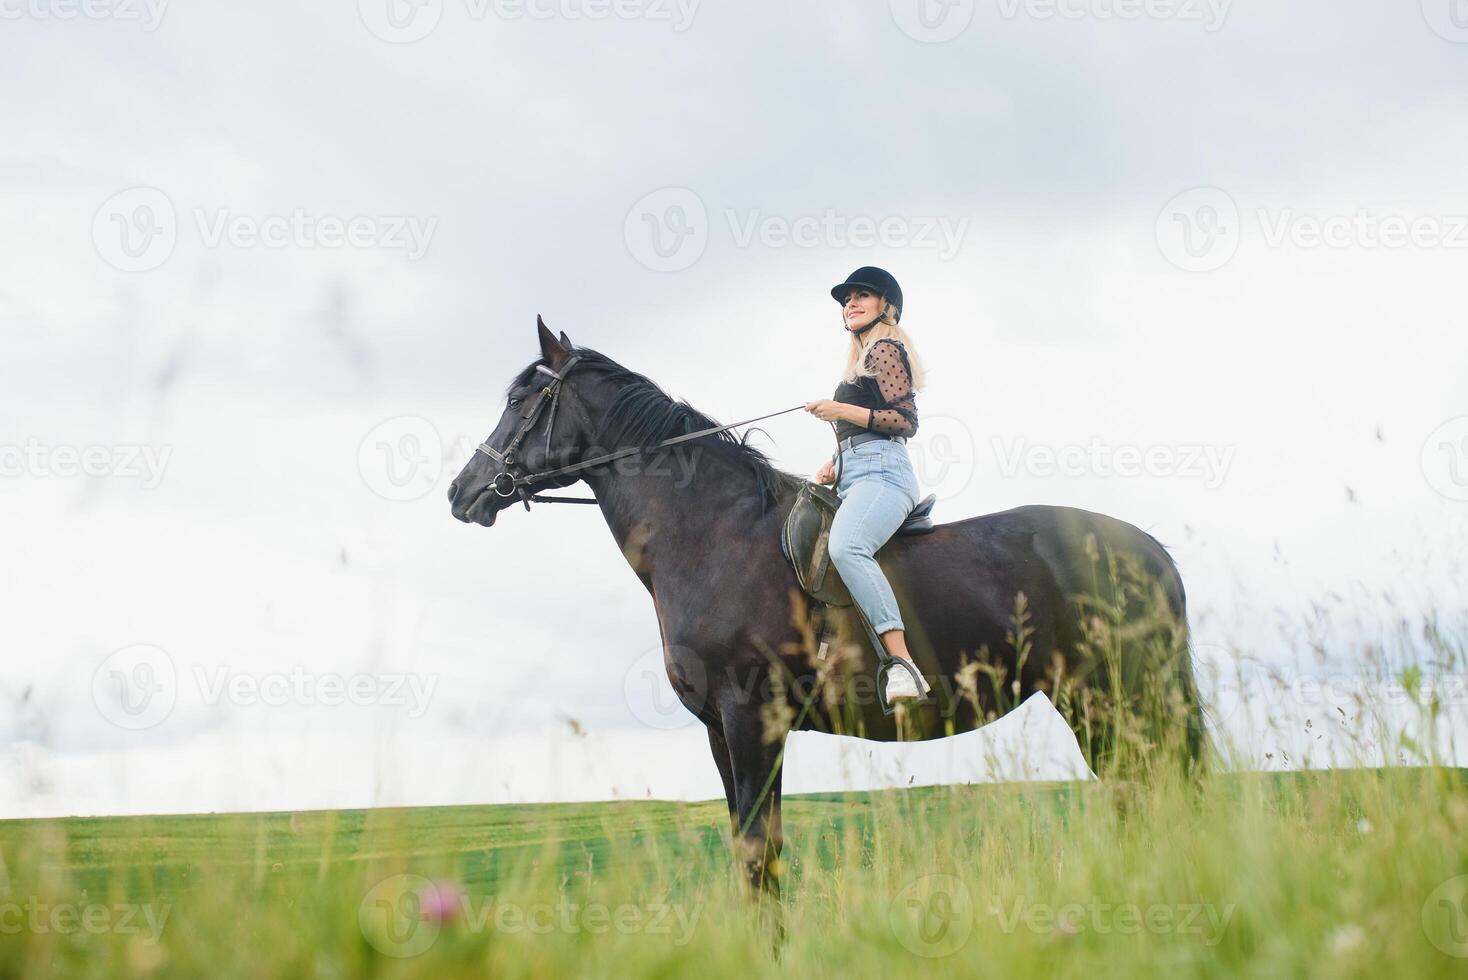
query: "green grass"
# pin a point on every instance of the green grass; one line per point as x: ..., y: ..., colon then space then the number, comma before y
x: 1327, y: 873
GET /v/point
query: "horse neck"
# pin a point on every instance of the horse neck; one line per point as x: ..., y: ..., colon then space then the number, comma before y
x: 667, y: 504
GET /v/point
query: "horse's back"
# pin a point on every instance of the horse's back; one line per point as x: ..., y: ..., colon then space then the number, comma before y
x: 1062, y: 544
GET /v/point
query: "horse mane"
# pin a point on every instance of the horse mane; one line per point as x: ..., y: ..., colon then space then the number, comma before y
x: 643, y: 414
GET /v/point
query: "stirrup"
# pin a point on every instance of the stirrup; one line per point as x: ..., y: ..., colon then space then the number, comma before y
x: 925, y: 690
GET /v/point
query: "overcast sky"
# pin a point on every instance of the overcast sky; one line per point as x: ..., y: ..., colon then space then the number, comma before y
x: 266, y: 272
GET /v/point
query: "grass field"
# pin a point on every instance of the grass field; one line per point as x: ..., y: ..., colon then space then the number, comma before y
x: 1330, y: 873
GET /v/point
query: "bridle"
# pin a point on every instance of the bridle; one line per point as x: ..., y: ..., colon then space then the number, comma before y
x: 512, y: 480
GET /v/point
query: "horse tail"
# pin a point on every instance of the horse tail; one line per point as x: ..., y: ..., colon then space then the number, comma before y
x: 1196, y: 742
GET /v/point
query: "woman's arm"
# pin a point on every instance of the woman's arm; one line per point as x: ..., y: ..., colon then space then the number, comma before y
x: 894, y: 380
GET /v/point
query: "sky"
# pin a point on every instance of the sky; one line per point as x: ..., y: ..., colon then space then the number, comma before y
x: 266, y: 271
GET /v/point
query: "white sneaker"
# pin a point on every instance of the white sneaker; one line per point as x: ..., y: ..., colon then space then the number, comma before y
x: 900, y: 686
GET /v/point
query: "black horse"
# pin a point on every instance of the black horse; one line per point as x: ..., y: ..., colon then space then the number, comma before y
x: 1082, y: 606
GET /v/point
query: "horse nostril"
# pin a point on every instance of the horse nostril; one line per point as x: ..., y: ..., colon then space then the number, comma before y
x: 453, y: 492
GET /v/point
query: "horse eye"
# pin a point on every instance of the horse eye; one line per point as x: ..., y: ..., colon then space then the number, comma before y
x: 514, y: 402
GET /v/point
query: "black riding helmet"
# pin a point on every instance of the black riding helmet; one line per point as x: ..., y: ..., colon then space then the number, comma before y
x: 879, y: 281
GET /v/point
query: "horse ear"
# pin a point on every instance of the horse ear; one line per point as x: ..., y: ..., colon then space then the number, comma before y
x: 550, y: 348
x: 566, y: 341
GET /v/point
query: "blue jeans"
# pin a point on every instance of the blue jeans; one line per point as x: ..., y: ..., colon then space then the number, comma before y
x: 878, y: 489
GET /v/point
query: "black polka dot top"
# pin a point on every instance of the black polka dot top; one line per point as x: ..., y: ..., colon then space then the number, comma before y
x: 887, y: 394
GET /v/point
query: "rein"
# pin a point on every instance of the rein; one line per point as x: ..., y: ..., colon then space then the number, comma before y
x: 507, y: 483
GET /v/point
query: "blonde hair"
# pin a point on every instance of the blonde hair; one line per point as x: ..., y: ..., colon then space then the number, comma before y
x: 885, y: 328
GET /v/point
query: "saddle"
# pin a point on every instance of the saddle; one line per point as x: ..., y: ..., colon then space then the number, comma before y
x: 805, y: 540
x: 807, y: 533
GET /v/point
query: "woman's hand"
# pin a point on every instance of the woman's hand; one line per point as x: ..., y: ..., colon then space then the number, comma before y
x: 827, y: 473
x: 827, y: 410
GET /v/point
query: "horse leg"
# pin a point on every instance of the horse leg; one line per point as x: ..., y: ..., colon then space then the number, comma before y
x: 759, y: 836
x: 720, y: 749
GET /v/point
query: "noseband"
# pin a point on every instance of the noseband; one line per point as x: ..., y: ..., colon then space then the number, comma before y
x: 511, y: 480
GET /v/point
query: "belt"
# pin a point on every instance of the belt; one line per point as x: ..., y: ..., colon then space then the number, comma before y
x: 862, y: 437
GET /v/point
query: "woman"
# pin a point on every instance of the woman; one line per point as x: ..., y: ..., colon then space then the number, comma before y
x: 875, y: 414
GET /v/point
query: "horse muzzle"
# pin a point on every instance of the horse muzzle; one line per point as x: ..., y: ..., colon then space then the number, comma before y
x: 476, y: 507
